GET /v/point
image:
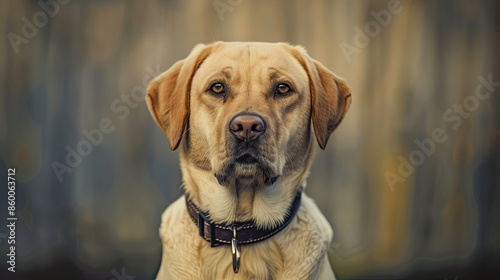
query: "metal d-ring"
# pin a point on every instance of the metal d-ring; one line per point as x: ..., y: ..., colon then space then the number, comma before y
x: 235, y: 250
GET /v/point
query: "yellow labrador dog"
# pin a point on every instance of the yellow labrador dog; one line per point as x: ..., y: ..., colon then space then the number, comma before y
x: 246, y: 113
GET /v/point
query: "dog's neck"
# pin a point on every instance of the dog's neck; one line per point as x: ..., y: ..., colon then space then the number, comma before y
x: 265, y: 205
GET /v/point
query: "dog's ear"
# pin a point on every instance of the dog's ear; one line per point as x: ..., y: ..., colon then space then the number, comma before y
x: 168, y: 94
x: 330, y: 96
x: 330, y: 99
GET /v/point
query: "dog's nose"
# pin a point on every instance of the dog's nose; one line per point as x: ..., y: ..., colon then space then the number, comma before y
x: 247, y: 126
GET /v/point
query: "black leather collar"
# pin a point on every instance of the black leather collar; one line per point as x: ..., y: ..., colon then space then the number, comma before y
x: 242, y: 233
x: 246, y: 232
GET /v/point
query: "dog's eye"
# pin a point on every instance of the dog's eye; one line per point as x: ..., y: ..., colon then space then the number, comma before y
x: 217, y: 88
x: 282, y: 89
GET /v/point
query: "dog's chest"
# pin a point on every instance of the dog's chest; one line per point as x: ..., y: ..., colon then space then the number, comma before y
x: 298, y: 252
x: 261, y: 261
x: 187, y: 256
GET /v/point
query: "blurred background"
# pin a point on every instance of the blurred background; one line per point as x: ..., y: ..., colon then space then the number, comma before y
x: 410, y: 181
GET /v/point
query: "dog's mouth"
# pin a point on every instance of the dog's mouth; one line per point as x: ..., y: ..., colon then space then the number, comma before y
x: 246, y: 164
x: 246, y: 159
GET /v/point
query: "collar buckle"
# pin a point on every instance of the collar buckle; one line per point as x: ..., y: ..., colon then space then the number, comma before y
x: 202, y: 220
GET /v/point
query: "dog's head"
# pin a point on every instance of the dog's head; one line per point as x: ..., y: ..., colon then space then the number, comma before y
x: 246, y: 109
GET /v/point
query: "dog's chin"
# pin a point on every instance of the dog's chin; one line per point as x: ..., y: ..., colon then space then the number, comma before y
x: 247, y: 170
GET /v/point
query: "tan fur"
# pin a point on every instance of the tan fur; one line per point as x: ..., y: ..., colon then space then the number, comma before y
x: 180, y: 103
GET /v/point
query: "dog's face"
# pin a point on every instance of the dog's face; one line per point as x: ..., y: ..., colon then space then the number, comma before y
x: 245, y: 109
x: 247, y: 100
